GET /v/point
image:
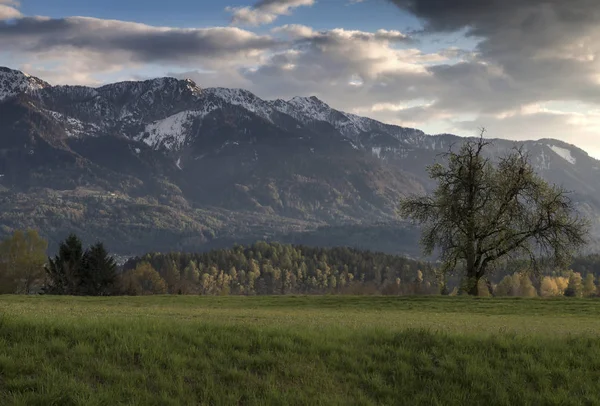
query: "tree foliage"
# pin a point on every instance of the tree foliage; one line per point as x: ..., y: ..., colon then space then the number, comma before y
x: 575, y: 286
x: 75, y: 272
x: 64, y: 269
x: 143, y: 280
x: 484, y: 212
x: 276, y: 269
x: 22, y: 259
x: 98, y: 272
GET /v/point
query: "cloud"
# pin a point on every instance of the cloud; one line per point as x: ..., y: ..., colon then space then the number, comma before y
x: 536, y: 121
x: 265, y: 11
x: 296, y: 31
x: 9, y: 10
x: 140, y: 42
x: 525, y: 54
x: 347, y: 68
x: 547, y: 48
x: 81, y: 45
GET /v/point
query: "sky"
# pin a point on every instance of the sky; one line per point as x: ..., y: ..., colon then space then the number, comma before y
x: 521, y: 69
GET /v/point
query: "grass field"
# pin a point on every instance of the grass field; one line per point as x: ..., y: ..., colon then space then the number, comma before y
x: 327, y: 350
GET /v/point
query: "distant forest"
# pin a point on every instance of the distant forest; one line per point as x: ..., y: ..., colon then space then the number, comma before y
x: 262, y: 269
x: 273, y: 268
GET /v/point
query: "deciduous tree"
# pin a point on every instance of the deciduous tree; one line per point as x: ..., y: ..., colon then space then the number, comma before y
x: 143, y: 280
x: 575, y: 287
x: 482, y: 213
x: 22, y: 259
x: 589, y: 285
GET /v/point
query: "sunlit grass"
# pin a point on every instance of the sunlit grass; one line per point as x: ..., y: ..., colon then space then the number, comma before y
x: 298, y: 350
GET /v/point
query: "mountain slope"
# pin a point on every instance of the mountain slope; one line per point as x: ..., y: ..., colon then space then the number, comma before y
x: 165, y: 164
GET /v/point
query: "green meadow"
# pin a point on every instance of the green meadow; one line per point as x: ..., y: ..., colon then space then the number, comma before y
x: 296, y: 350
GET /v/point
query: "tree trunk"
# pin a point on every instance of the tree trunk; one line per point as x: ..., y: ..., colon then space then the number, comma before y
x: 473, y: 286
x: 472, y: 276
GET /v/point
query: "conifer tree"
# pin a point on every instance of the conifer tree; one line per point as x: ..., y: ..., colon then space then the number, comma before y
x: 63, y: 271
x: 98, y: 273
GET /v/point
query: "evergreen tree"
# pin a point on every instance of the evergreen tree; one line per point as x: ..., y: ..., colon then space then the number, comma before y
x: 63, y: 271
x: 98, y: 273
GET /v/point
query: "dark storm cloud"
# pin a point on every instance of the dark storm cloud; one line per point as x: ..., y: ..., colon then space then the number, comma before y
x: 482, y: 17
x: 545, y: 49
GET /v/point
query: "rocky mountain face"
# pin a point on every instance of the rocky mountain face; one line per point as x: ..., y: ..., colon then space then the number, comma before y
x: 164, y: 164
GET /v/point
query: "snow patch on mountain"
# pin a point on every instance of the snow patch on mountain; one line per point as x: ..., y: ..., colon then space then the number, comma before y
x: 74, y: 127
x: 169, y: 133
x: 245, y: 99
x: 376, y: 151
x: 14, y: 82
x: 563, y: 153
x: 542, y: 162
x: 311, y: 107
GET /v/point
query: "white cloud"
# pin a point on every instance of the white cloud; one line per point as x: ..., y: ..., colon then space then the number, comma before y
x: 382, y: 74
x: 9, y: 9
x: 83, y: 46
x: 265, y: 11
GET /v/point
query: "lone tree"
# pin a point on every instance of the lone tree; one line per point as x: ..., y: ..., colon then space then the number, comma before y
x: 483, y: 212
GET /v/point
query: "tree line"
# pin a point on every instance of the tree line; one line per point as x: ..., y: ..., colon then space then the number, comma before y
x: 26, y: 269
x: 259, y: 269
x: 273, y: 269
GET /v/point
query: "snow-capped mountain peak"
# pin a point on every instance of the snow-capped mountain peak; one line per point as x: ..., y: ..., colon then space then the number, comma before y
x: 312, y: 107
x: 167, y: 86
x: 14, y: 82
x: 244, y: 99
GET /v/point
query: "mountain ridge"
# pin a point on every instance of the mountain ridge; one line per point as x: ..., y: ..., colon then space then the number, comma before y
x: 166, y: 157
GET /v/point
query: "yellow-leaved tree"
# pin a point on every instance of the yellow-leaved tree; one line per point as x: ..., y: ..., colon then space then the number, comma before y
x: 549, y: 288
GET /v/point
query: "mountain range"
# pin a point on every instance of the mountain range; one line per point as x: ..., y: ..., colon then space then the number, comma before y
x: 164, y: 164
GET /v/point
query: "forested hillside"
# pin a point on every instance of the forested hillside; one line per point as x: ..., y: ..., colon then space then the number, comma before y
x: 267, y: 269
